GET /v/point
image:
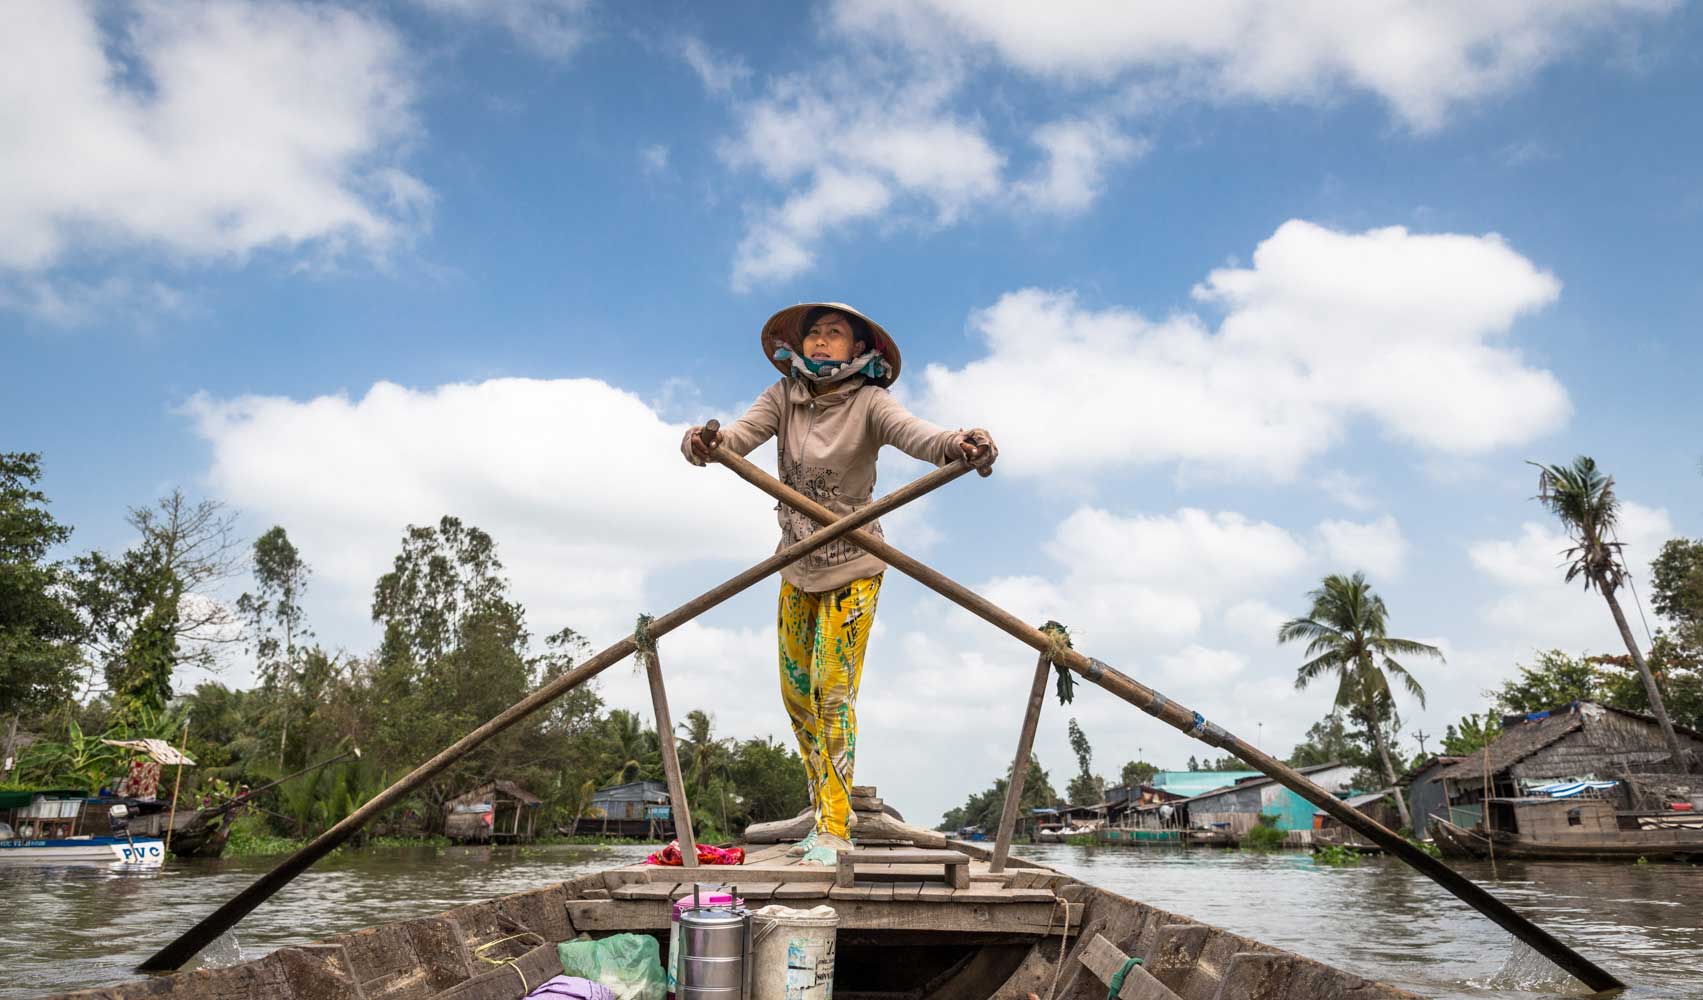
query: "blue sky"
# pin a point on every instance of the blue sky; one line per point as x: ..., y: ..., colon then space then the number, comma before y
x: 1248, y: 294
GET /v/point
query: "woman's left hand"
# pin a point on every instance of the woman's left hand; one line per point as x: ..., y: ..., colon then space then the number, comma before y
x: 979, y: 449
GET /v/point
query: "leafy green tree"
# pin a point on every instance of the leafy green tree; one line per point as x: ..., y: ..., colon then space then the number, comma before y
x: 1556, y: 679
x: 1085, y: 788
x: 40, y: 633
x: 1472, y: 733
x: 1346, y: 632
x: 273, y: 610
x: 1327, y: 742
x: 770, y: 780
x: 1137, y: 772
x: 983, y: 809
x: 1676, y: 578
x: 1582, y: 497
x: 1194, y: 763
x: 151, y: 611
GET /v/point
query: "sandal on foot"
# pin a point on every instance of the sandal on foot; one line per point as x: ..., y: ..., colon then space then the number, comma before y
x: 826, y: 852
x: 803, y: 847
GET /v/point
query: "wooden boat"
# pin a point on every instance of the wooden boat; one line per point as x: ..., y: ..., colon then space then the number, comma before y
x: 134, y: 852
x: 920, y: 917
x: 1600, y: 833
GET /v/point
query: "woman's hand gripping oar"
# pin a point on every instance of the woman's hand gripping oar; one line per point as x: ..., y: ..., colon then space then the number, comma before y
x: 1192, y: 723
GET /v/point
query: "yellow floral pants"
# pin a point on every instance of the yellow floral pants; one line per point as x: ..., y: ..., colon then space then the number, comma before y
x: 822, y: 641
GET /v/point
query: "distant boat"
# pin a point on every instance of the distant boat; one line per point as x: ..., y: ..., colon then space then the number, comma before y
x: 46, y: 832
x: 139, y: 852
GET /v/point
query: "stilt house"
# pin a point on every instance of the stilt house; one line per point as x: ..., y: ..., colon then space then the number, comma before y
x: 496, y: 812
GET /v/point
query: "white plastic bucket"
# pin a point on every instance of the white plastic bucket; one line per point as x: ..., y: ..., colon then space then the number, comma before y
x: 793, y: 957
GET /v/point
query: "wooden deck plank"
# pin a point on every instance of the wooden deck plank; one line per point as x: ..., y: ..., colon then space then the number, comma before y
x: 802, y: 890
x: 1027, y: 919
x: 936, y: 894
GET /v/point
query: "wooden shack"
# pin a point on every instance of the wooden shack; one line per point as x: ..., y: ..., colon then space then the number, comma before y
x: 1425, y: 797
x: 1379, y: 805
x: 630, y: 809
x: 1582, y: 741
x: 495, y: 812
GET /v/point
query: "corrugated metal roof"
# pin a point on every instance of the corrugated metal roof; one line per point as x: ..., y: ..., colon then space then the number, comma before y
x: 1191, y: 783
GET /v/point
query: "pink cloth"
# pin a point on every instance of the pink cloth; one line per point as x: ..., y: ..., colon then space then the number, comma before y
x: 707, y: 855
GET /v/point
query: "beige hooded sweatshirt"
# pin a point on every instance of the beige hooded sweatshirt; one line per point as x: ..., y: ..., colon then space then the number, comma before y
x: 828, y: 444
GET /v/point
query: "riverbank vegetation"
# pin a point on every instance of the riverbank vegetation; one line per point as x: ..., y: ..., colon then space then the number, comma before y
x: 96, y: 646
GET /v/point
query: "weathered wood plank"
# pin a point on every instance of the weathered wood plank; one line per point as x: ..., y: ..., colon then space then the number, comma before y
x: 1019, y: 919
x: 507, y: 980
x: 1104, y: 959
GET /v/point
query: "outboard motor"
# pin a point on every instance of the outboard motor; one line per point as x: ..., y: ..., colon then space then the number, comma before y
x: 118, y: 818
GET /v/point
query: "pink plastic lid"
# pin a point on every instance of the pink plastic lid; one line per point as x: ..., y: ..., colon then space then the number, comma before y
x: 684, y: 903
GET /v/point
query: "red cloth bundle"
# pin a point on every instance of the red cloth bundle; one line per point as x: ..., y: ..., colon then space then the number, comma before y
x: 707, y: 855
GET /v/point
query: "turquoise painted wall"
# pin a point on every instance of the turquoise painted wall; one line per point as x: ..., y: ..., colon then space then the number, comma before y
x: 1292, y: 811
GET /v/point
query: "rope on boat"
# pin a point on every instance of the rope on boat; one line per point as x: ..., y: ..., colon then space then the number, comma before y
x: 1058, y: 963
x: 1119, y: 976
x: 513, y: 963
x: 1058, y: 640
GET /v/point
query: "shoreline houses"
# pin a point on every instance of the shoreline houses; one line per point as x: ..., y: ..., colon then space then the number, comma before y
x: 1582, y: 780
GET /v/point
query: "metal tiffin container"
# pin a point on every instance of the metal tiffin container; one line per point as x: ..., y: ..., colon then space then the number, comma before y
x: 715, y: 952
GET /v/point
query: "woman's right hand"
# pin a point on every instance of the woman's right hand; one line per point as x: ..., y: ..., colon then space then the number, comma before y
x: 694, y: 448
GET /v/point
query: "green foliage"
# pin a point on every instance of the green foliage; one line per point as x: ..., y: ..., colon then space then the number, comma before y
x: 1347, y: 637
x: 1335, y: 856
x: 40, y: 633
x: 1264, y: 834
x: 250, y: 836
x: 982, y: 809
x: 1429, y: 847
x: 1085, y: 788
x: 1556, y: 679
x: 1472, y: 733
x: 1676, y: 581
x: 1137, y: 772
x: 1582, y: 497
x: 1228, y: 762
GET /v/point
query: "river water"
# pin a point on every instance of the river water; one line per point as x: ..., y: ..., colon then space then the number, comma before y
x: 77, y: 928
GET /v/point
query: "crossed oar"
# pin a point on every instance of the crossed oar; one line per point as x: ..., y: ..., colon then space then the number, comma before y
x: 1054, y: 651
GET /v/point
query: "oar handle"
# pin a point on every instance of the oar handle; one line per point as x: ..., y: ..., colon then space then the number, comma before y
x: 707, y: 433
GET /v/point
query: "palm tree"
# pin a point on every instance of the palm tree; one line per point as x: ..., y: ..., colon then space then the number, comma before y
x: 1583, y: 498
x: 700, y: 752
x: 1346, y: 636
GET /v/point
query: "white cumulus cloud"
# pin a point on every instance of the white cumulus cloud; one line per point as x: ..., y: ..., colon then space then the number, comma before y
x: 206, y: 130
x: 1421, y: 57
x: 1377, y: 547
x: 1079, y: 151
x: 1401, y: 329
x: 581, y: 484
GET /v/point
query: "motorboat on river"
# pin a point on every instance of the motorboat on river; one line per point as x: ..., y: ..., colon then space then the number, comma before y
x: 919, y: 916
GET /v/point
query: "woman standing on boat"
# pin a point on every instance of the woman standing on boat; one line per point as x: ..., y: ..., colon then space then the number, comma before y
x: 831, y: 413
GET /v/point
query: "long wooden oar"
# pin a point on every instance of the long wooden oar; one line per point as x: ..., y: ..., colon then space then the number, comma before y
x: 190, y: 942
x: 1181, y: 717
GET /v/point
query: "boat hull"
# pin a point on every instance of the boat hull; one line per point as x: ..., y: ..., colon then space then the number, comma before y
x: 140, y: 852
x: 1627, y: 845
x: 897, y: 938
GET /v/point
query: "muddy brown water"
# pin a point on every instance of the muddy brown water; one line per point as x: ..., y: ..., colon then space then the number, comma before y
x: 70, y: 928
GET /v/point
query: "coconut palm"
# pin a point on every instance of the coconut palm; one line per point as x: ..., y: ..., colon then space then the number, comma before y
x: 1583, y: 498
x: 701, y: 753
x: 1346, y: 635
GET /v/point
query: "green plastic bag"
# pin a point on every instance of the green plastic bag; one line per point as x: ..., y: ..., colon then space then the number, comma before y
x: 629, y: 964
